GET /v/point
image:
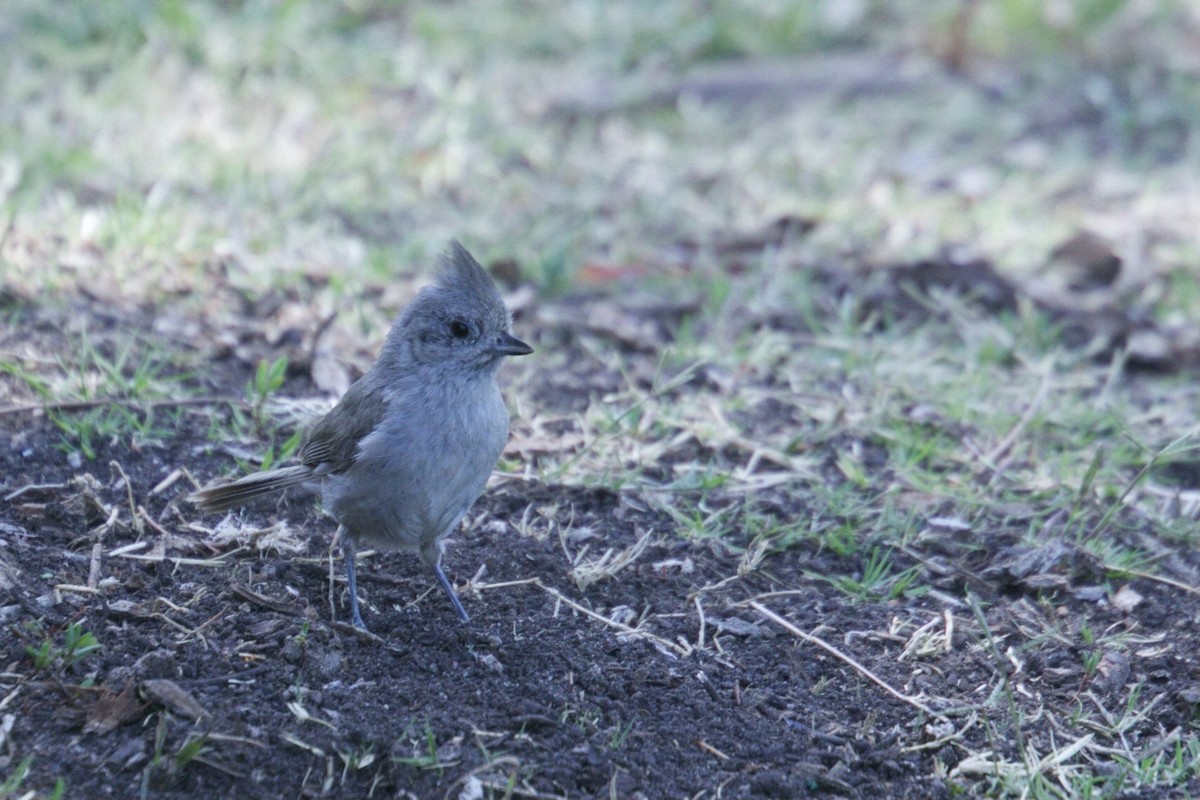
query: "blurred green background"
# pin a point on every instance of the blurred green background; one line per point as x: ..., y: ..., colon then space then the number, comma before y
x: 144, y: 141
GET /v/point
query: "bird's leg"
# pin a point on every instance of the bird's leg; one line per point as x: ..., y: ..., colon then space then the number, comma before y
x: 348, y: 554
x: 445, y: 582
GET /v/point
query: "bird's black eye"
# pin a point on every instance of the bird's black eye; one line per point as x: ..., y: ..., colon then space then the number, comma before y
x: 459, y: 329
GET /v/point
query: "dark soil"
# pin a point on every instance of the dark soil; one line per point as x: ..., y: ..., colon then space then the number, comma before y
x: 579, y: 708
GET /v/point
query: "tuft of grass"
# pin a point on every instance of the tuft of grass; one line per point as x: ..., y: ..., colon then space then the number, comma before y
x: 12, y: 784
x: 618, y: 736
x: 357, y: 759
x: 164, y: 767
x: 424, y: 748
x: 55, y: 655
x: 120, y: 381
x: 11, y: 787
x: 878, y: 579
x: 268, y: 378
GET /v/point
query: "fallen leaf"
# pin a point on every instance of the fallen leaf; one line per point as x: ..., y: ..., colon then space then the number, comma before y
x: 111, y: 710
x: 174, y: 697
x: 127, y: 608
x: 1085, y: 261
x: 594, y: 273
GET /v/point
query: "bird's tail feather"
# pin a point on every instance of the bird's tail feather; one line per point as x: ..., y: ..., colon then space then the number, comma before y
x: 231, y: 495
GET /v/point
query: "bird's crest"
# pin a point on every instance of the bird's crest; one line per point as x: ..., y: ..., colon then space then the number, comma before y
x: 460, y: 272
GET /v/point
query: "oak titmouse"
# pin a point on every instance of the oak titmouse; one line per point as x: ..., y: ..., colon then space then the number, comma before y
x: 410, y: 446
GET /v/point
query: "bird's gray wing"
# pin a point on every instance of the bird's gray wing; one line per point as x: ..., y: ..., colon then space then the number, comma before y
x: 332, y: 444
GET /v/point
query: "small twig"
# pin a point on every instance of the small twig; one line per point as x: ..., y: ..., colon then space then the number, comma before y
x: 354, y: 630
x: 708, y: 748
x: 171, y: 604
x: 229, y: 737
x: 114, y: 513
x: 183, y: 628
x: 133, y: 515
x: 303, y: 745
x: 167, y: 482
x: 94, y: 567
x: 8, y: 698
x: 333, y: 543
x: 145, y: 517
x: 76, y: 588
x: 176, y: 560
x: 1162, y: 579
x: 34, y: 487
x: 197, y: 630
x: 788, y: 626
x: 700, y: 635
x: 129, y: 548
x: 505, y: 584
x: 954, y: 736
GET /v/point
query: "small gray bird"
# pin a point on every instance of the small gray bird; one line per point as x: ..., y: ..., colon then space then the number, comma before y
x: 410, y: 446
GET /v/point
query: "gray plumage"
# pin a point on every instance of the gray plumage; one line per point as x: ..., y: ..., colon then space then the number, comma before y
x: 410, y: 446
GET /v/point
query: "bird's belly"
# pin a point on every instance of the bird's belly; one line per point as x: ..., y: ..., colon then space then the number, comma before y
x: 404, y: 500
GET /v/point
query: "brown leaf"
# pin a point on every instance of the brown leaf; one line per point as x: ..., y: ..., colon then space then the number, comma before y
x: 1086, y: 261
x: 111, y: 710
x: 174, y: 697
x: 596, y: 273
x: 122, y: 607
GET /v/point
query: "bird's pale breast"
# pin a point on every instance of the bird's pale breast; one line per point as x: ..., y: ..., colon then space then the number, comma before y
x: 422, y: 477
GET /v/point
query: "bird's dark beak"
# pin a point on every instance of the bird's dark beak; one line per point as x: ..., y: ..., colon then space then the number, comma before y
x: 509, y: 345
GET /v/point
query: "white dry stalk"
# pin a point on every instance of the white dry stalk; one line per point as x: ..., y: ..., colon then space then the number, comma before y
x: 986, y: 763
x: 296, y: 412
x: 302, y: 715
x: 931, y: 639
x: 586, y: 572
x: 753, y: 556
x: 8, y: 575
x: 279, y: 537
x: 6, y: 725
